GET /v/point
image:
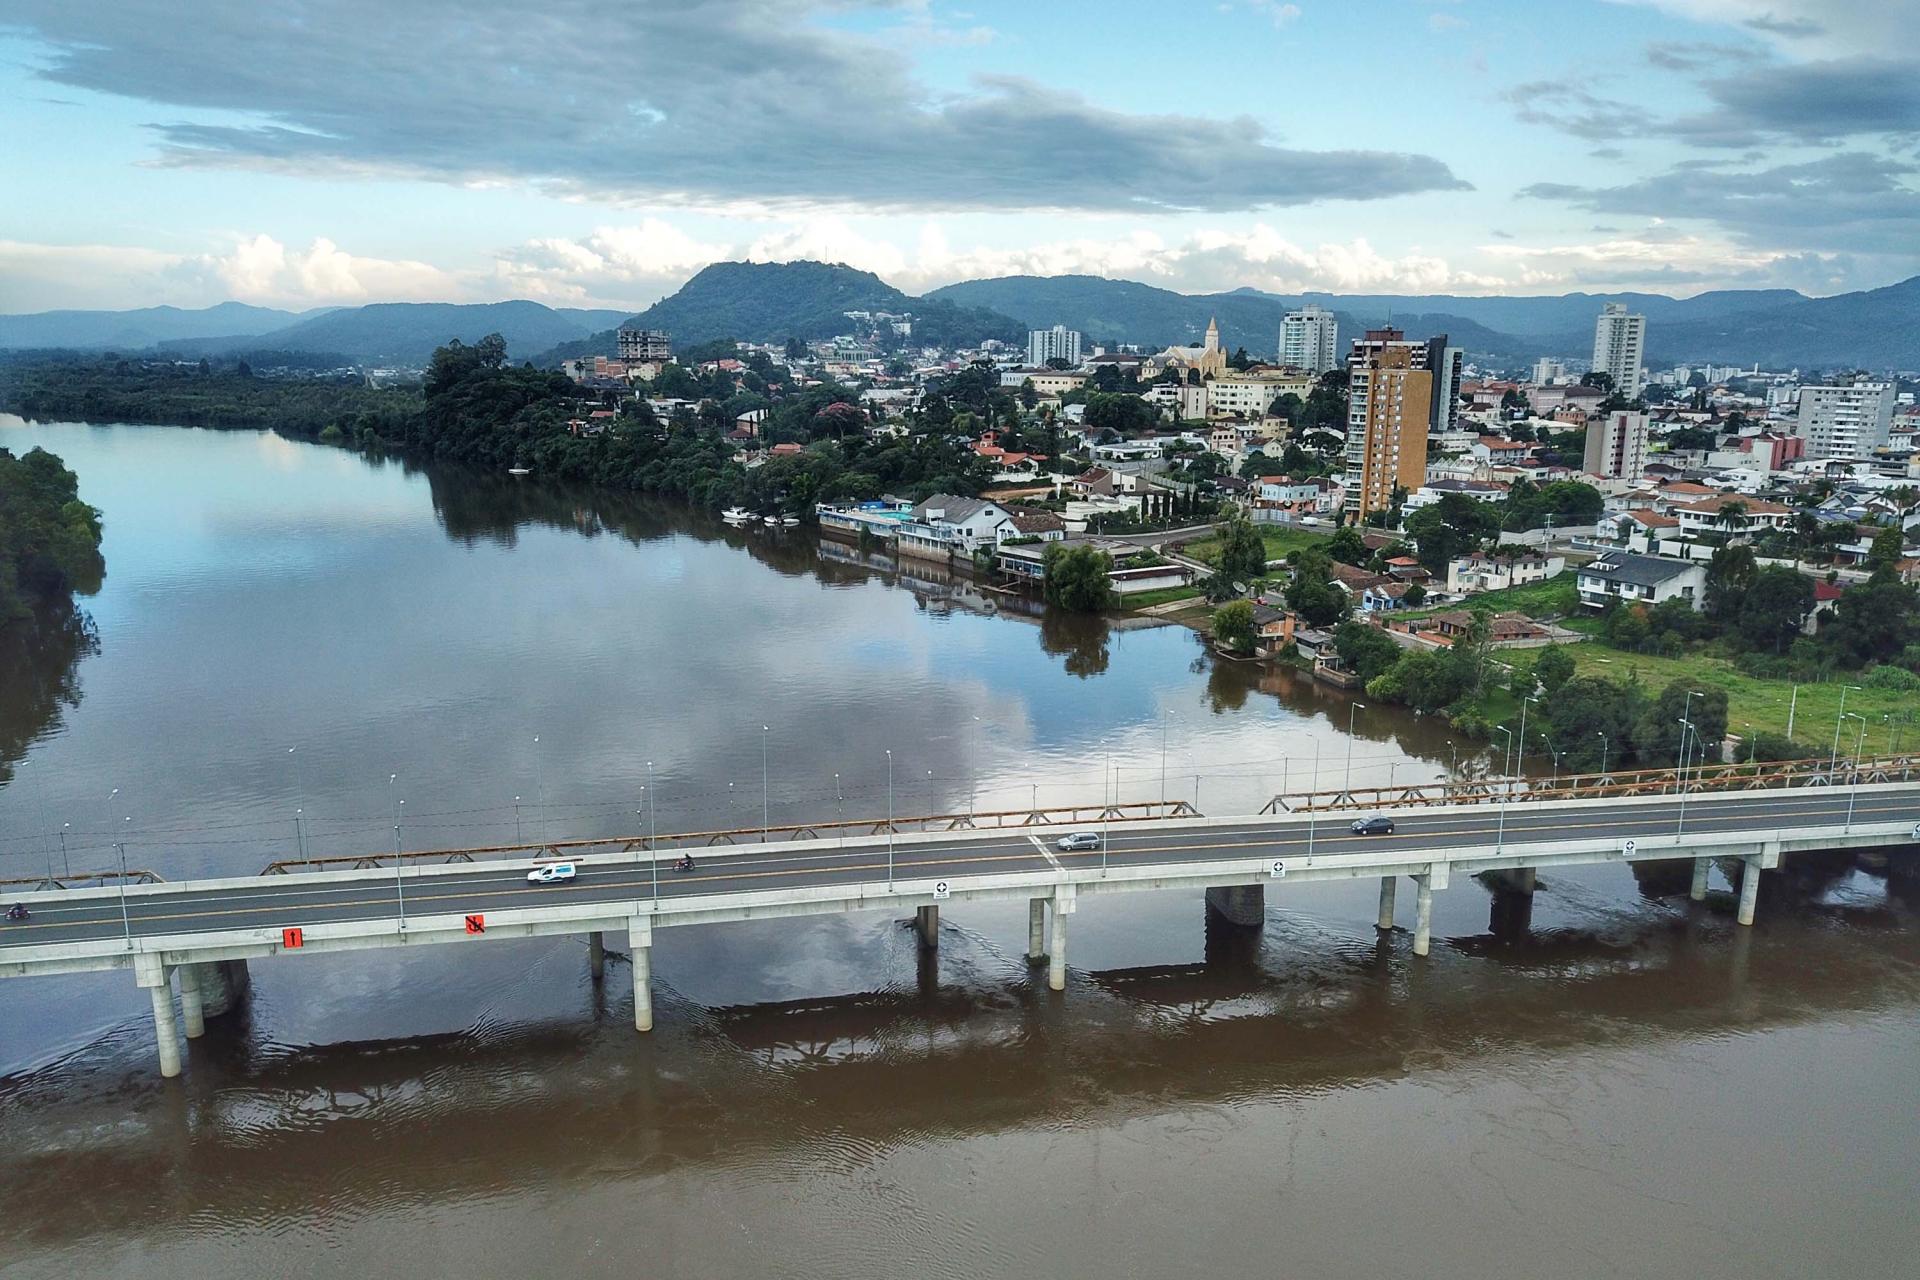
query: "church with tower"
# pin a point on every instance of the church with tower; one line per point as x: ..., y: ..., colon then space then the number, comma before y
x: 1208, y: 360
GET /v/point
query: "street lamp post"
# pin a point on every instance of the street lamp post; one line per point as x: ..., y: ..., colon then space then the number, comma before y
x: 763, y: 784
x: 1313, y: 809
x: 399, y: 891
x: 889, y: 817
x: 653, y: 831
x: 1686, y: 727
x: 1793, y: 705
x: 1686, y: 711
x: 1833, y: 758
x: 1601, y: 734
x: 1506, y: 786
x: 1853, y: 792
x: 126, y: 920
x: 1351, y: 711
x: 973, y: 774
x: 1165, y: 716
x: 1520, y: 746
x: 1106, y: 810
x: 540, y: 771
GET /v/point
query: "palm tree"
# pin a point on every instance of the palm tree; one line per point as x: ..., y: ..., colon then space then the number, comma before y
x: 1731, y: 513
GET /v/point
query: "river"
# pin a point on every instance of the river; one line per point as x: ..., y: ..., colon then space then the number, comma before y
x: 297, y: 649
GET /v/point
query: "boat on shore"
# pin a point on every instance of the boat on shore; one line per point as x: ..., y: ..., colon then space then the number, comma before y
x: 519, y: 471
x: 736, y: 515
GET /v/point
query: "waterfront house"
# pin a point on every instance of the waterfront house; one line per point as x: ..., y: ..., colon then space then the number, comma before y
x: 1024, y: 563
x: 1500, y: 569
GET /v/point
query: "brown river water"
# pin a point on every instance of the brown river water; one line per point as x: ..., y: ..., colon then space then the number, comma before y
x: 1625, y: 1085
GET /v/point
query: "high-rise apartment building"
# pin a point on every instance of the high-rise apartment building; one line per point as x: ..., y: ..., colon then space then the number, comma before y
x: 1057, y: 343
x: 643, y: 344
x: 1390, y: 408
x: 1310, y: 339
x: 1845, y: 422
x: 1620, y: 348
x: 1617, y: 447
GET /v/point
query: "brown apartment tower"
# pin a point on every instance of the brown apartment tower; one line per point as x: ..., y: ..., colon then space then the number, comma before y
x: 1390, y: 408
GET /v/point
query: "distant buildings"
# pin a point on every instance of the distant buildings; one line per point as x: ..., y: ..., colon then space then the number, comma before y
x: 1620, y: 348
x: 1310, y: 340
x: 1390, y: 408
x: 1617, y: 447
x: 644, y: 344
x: 1845, y: 422
x: 1207, y: 360
x: 1057, y: 343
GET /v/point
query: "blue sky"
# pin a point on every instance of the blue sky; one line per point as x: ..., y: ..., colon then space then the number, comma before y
x: 298, y: 154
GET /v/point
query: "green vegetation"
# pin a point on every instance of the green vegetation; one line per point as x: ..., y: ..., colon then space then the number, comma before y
x: 1233, y: 626
x: 49, y: 539
x: 1076, y: 578
x: 1164, y: 595
x: 1279, y: 541
x: 1554, y: 596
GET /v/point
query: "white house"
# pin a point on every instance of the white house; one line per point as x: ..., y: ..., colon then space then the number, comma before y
x: 965, y: 524
x: 1635, y: 579
x: 1499, y: 569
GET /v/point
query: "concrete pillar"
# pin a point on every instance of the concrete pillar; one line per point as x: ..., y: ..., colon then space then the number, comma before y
x: 1057, y: 954
x: 222, y: 984
x: 1512, y: 880
x: 1385, y: 923
x: 927, y: 922
x: 640, y: 943
x: 1244, y: 905
x: 597, y: 955
x: 1036, y: 928
x: 193, y: 1013
x: 1698, y: 889
x: 1749, y: 888
x: 158, y: 980
x: 1423, y: 914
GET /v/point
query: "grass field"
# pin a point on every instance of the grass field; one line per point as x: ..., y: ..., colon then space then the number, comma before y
x: 1166, y: 595
x: 1753, y: 703
x: 1281, y: 542
x: 1537, y: 600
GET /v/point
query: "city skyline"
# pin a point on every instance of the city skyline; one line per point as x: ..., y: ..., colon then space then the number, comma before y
x: 309, y: 157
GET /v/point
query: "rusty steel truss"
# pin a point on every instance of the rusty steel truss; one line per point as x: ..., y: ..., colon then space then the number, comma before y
x: 1142, y: 811
x: 1619, y: 783
x: 80, y: 880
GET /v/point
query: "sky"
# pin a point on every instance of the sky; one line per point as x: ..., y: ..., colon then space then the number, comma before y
x: 583, y: 153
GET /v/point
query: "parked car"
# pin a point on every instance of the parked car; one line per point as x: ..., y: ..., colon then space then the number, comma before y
x: 1078, y: 841
x: 1375, y: 826
x: 552, y: 873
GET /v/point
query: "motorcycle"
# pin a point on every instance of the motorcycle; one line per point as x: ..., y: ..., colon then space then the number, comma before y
x: 18, y: 911
x: 684, y: 864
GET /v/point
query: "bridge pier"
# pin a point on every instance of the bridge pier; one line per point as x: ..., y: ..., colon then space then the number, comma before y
x: 1697, y: 891
x: 1063, y: 906
x: 1384, y: 923
x: 1749, y: 889
x: 1036, y: 929
x: 193, y: 1009
x: 157, y: 978
x: 926, y: 922
x: 597, y: 955
x: 640, y: 944
x: 1422, y: 914
x: 1244, y: 905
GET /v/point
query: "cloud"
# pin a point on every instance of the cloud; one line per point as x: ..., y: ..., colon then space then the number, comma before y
x: 1851, y: 200
x: 716, y: 104
x: 1803, y: 27
x: 1572, y: 109
x: 261, y: 269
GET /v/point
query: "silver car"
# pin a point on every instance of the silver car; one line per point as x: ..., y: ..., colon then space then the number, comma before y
x: 1078, y: 842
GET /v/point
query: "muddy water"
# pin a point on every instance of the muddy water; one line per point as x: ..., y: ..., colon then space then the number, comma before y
x: 1629, y: 1086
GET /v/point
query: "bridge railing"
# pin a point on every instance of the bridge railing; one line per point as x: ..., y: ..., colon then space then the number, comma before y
x: 1821, y: 771
x: 1132, y: 811
x: 81, y: 880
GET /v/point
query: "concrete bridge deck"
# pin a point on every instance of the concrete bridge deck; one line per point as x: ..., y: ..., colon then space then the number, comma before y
x: 194, y: 927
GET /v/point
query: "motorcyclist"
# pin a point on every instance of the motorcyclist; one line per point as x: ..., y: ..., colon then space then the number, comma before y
x: 18, y: 911
x: 685, y: 863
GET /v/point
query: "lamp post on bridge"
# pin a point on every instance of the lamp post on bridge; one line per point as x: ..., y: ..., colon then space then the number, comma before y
x: 653, y: 832
x: 1833, y: 757
x: 399, y: 890
x: 889, y: 817
x: 1506, y: 787
x: 1686, y: 727
x: 1347, y: 786
x: 126, y: 919
x: 763, y: 783
x: 1853, y: 792
x: 540, y: 777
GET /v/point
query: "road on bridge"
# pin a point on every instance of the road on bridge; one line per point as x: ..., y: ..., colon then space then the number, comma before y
x: 276, y: 903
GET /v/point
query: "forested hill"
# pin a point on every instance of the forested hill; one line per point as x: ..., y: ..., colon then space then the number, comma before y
x: 774, y: 301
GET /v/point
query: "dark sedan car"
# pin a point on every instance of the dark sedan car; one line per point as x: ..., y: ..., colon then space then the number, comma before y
x: 1372, y: 827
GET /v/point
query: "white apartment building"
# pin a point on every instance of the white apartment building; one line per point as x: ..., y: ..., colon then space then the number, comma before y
x: 1845, y: 422
x: 1310, y: 339
x: 1617, y: 447
x: 1248, y: 394
x: 1546, y: 372
x: 1620, y: 348
x: 1057, y: 343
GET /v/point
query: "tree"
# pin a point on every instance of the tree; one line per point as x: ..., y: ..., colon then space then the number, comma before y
x: 1243, y: 554
x: 1450, y: 528
x: 1318, y: 602
x: 1729, y: 573
x: 1871, y: 622
x: 1347, y: 546
x: 1656, y: 735
x: 1365, y: 650
x: 1233, y: 626
x: 1775, y: 603
x: 1076, y: 578
x: 1553, y: 668
x: 1889, y: 546
x: 49, y: 539
x: 1122, y: 413
x: 1590, y: 719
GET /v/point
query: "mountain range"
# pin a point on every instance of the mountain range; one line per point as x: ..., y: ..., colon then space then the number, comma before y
x: 770, y: 302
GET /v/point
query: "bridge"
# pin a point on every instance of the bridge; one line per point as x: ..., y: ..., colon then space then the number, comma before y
x: 205, y: 932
